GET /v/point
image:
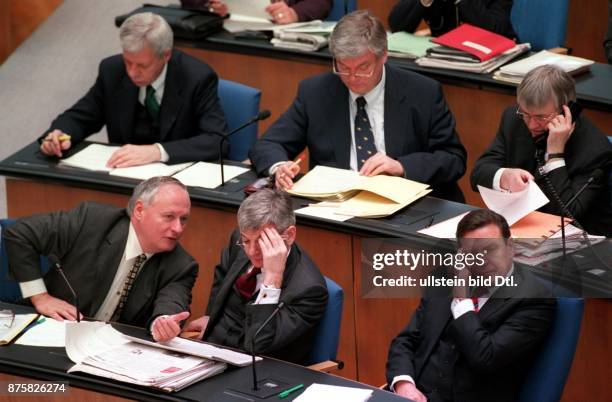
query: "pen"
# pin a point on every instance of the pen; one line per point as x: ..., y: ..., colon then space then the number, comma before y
x: 297, y: 161
x: 61, y: 138
x: 287, y: 392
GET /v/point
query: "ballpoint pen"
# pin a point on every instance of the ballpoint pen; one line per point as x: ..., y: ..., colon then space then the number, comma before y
x: 287, y: 392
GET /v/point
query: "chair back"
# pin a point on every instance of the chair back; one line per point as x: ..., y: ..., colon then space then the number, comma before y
x: 610, y: 177
x: 546, y: 378
x: 240, y: 103
x: 9, y: 288
x: 327, y: 334
x: 542, y: 23
x: 340, y: 8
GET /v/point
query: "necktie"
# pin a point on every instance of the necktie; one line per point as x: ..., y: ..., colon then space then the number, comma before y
x: 475, y: 301
x: 151, y: 103
x: 364, y: 137
x: 246, y: 283
x: 127, y: 286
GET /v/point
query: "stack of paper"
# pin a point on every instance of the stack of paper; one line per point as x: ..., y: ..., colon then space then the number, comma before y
x: 407, y: 45
x: 20, y: 322
x: 357, y: 195
x: 251, y: 15
x: 298, y: 41
x: 208, y: 175
x: 515, y: 72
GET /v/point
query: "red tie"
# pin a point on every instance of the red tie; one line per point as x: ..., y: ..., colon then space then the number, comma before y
x: 475, y: 301
x: 246, y: 283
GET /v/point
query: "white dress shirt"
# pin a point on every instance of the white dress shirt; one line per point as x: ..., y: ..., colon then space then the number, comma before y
x: 158, y: 85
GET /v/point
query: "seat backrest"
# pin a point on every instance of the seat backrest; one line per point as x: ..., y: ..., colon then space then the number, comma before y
x: 240, y: 103
x: 610, y: 177
x: 546, y: 378
x: 9, y: 288
x: 327, y: 334
x: 338, y: 9
x: 542, y: 23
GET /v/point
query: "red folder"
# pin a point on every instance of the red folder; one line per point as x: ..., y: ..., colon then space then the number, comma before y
x: 477, y: 41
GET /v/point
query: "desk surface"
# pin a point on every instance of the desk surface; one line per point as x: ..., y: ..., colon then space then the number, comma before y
x: 51, y: 364
x: 592, y: 88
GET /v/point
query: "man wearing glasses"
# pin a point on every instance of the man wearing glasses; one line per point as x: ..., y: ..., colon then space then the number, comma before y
x: 540, y: 140
x: 261, y: 268
x: 366, y: 116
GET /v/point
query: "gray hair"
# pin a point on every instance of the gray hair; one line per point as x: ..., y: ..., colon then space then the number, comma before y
x: 146, y: 191
x: 266, y: 206
x: 544, y: 84
x: 356, y: 33
x: 146, y: 29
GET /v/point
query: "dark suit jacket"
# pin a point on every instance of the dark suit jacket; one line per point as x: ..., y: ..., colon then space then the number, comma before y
x: 89, y: 241
x: 191, y: 117
x: 288, y: 336
x: 587, y: 149
x: 441, y: 16
x: 419, y: 130
x: 494, y: 347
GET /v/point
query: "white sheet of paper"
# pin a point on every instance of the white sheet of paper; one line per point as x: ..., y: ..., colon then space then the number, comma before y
x: 444, y: 230
x: 50, y: 333
x: 514, y: 206
x: 248, y: 9
x: 208, y: 175
x: 92, y: 157
x: 324, y: 392
x: 145, y: 172
x: 89, y: 338
x: 322, y: 212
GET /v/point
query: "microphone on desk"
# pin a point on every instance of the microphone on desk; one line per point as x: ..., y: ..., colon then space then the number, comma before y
x: 55, y: 262
x: 262, y: 115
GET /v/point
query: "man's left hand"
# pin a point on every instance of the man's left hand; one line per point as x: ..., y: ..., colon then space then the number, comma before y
x: 559, y: 131
x: 281, y: 13
x: 134, y: 155
x: 166, y: 327
x: 381, y: 163
x: 274, y: 253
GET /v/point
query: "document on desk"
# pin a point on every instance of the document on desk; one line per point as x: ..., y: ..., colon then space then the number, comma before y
x: 48, y: 333
x: 251, y: 15
x: 324, y: 392
x: 145, y: 172
x: 444, y: 230
x: 92, y: 157
x: 208, y: 175
x: 514, y: 206
x: 323, y: 211
x: 20, y: 322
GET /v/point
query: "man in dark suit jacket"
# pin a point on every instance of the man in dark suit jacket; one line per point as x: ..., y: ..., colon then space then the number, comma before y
x: 262, y: 269
x: 474, y: 345
x: 100, y: 247
x: 570, y: 154
x: 161, y: 102
x: 367, y: 117
x: 444, y: 15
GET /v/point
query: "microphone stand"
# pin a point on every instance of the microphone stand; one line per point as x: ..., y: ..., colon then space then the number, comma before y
x: 58, y: 267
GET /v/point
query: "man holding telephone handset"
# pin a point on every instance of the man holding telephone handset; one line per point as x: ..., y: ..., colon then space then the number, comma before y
x: 545, y: 139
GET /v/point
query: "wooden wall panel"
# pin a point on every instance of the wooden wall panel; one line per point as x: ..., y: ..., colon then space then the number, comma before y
x: 5, y: 30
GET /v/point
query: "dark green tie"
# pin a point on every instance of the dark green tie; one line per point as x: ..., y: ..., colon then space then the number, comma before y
x: 151, y: 103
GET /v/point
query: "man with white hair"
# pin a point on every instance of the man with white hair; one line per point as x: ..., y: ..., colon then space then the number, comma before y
x: 366, y: 116
x: 160, y: 103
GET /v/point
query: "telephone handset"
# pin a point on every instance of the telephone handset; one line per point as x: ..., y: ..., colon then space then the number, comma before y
x: 575, y: 110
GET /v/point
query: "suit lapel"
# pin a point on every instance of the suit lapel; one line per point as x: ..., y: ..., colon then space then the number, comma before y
x: 171, y: 101
x: 339, y: 128
x: 394, y: 129
x: 143, y: 288
x: 238, y: 266
x: 126, y: 100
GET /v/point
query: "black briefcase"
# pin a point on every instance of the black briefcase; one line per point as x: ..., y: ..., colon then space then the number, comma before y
x: 185, y: 23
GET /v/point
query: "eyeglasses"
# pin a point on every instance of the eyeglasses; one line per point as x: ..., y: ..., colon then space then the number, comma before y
x: 538, y: 118
x: 7, y: 317
x: 246, y: 243
x: 362, y: 71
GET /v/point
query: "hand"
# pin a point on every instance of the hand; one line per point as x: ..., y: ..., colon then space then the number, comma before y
x: 281, y: 13
x: 461, y: 292
x: 559, y: 130
x: 166, y: 327
x: 197, y: 325
x: 274, y: 253
x: 53, y: 307
x: 134, y: 155
x: 409, y: 390
x: 380, y: 163
x: 51, y: 145
x: 285, y: 173
x: 218, y: 7
x: 515, y: 180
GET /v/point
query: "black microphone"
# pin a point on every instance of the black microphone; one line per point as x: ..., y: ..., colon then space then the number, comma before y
x: 262, y: 115
x: 276, y: 310
x: 55, y: 262
x: 594, y: 177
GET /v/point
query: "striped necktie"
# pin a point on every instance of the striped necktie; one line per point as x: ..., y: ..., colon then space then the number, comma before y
x: 127, y: 286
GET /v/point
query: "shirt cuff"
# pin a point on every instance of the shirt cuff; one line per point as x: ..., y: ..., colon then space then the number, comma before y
x: 554, y: 164
x: 398, y: 378
x: 497, y: 179
x: 426, y: 3
x: 268, y: 295
x: 32, y: 288
x: 273, y: 168
x: 163, y: 155
x: 461, y: 306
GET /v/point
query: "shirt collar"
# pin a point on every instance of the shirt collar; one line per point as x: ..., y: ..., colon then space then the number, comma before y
x: 132, y: 245
x: 374, y: 93
x: 161, y: 79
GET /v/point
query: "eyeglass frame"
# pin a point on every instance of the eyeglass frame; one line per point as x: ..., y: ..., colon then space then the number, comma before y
x: 356, y: 75
x: 5, y: 315
x: 240, y: 243
x: 540, y: 119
